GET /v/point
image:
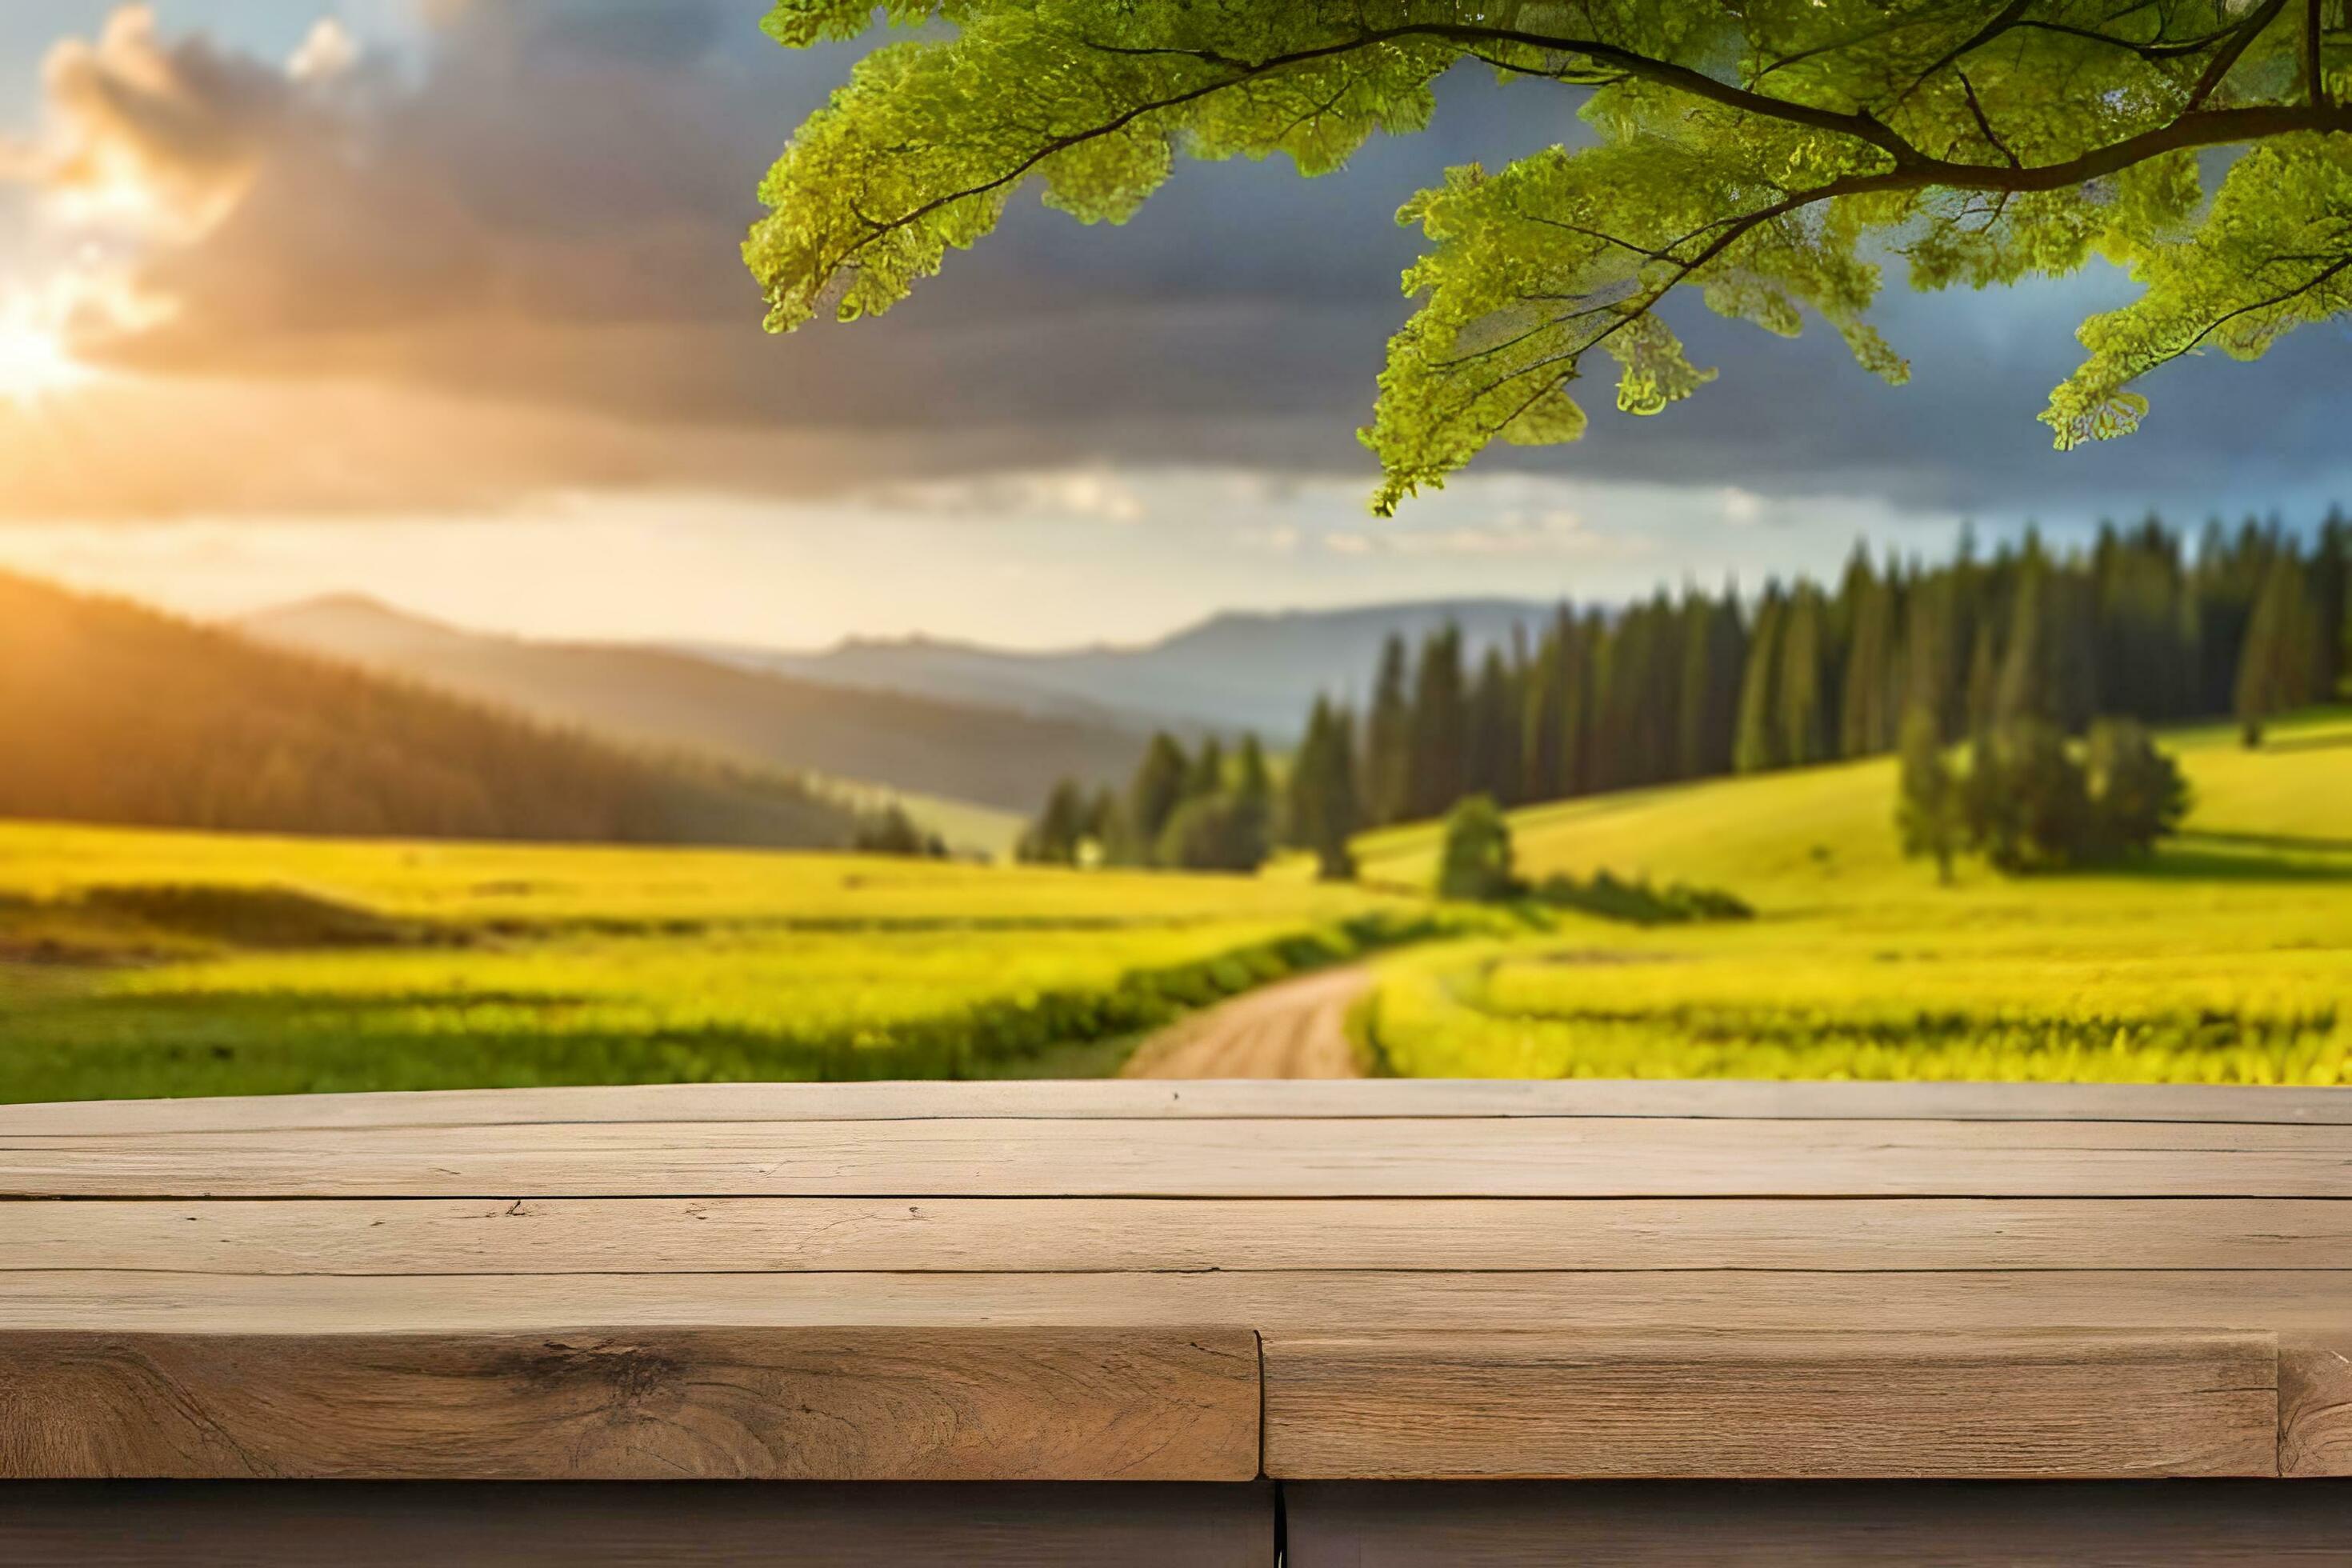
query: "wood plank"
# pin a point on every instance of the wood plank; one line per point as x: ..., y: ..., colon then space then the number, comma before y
x: 2316, y: 1405
x: 833, y: 1404
x: 2304, y: 1301
x: 589, y: 1236
x: 490, y: 1524
x: 1129, y: 1099
x: 1849, y: 1524
x: 1450, y: 1406
x: 1490, y: 1157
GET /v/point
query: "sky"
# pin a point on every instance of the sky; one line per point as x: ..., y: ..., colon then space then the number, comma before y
x: 439, y: 300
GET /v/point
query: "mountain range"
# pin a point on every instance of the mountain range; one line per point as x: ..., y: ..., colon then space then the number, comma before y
x: 1236, y: 670
x: 969, y: 737
x: 998, y: 758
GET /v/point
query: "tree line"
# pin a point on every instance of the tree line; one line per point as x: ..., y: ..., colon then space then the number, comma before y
x: 2137, y: 625
x: 1197, y: 810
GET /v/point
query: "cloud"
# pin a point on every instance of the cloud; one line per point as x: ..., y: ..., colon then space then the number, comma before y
x: 545, y: 214
x: 1557, y: 534
x: 1093, y: 493
x: 1280, y: 539
x: 162, y: 139
x: 535, y: 220
x: 556, y: 168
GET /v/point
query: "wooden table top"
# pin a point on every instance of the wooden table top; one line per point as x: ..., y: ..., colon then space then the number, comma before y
x: 1181, y: 1281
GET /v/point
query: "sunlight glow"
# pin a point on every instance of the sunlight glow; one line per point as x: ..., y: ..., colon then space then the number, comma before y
x: 33, y: 360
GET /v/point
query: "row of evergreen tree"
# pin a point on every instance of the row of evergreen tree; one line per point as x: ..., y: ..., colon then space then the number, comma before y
x: 2250, y: 622
x: 1198, y: 811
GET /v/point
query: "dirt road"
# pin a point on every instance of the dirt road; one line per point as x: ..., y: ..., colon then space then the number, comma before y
x: 1295, y: 1029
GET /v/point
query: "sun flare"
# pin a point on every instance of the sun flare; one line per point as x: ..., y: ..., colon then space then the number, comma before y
x: 34, y: 362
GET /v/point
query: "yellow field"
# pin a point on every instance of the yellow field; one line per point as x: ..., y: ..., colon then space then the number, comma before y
x: 137, y: 962
x: 2226, y: 957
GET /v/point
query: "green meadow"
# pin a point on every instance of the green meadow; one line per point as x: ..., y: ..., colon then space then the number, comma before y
x: 2225, y: 957
x: 137, y: 964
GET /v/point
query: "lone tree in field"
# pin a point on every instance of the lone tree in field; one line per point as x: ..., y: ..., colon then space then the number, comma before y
x: 2137, y: 793
x: 1475, y: 861
x: 1763, y: 152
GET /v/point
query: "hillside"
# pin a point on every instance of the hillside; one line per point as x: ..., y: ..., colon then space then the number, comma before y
x: 114, y: 713
x: 2222, y: 957
x: 1794, y: 839
x: 991, y: 756
x: 139, y: 963
x: 1237, y: 671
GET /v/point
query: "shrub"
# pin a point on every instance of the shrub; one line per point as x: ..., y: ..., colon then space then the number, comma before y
x: 2028, y: 804
x: 1638, y: 903
x: 1475, y: 863
x: 2138, y: 795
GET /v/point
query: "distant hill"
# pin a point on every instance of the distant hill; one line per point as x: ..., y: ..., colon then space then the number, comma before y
x: 1237, y: 671
x: 113, y: 713
x: 993, y: 756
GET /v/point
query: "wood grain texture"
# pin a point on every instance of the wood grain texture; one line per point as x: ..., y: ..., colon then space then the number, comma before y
x: 942, y: 1280
x: 836, y: 1404
x: 2316, y: 1405
x: 1887, y: 1524
x: 589, y: 1236
x: 1491, y: 1157
x: 1441, y: 1406
x: 1079, y: 1099
x: 2306, y: 1301
x: 358, y: 1524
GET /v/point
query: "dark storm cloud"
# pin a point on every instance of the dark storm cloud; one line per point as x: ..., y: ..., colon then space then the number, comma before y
x: 548, y: 212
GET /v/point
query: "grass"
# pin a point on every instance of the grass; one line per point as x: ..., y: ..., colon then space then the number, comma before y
x: 2225, y: 957
x: 136, y: 964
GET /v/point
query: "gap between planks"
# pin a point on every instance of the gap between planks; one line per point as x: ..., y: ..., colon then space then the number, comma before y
x: 640, y: 1236
x: 2316, y: 1303
x: 1490, y: 1157
x: 1376, y: 1098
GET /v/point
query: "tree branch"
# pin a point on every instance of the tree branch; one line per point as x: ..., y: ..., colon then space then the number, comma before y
x: 1976, y: 108
x: 2211, y: 128
x: 2314, y: 72
x: 2155, y: 50
x: 2225, y: 318
x: 2001, y: 23
x: 1861, y: 125
x: 2246, y: 33
x: 1912, y: 170
x: 2214, y: 127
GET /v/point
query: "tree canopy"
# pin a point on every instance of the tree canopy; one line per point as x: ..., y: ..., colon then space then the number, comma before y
x: 1771, y: 155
